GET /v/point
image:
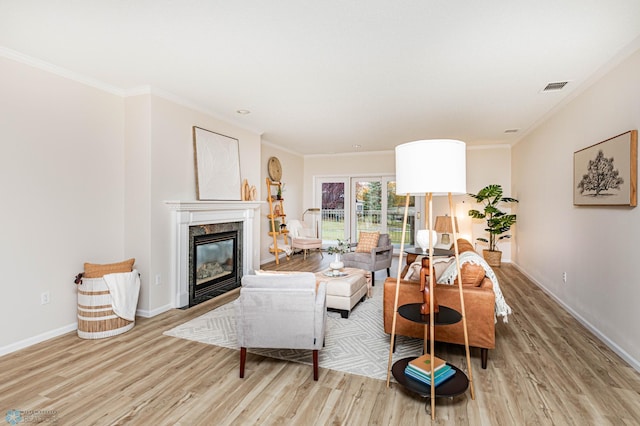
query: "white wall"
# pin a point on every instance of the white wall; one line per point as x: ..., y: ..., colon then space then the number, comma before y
x: 486, y: 166
x: 137, y: 228
x: 61, y: 186
x: 595, y: 246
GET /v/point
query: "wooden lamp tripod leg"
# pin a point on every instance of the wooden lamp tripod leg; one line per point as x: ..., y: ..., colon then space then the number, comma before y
x: 432, y: 278
x: 464, y: 316
x: 395, y: 305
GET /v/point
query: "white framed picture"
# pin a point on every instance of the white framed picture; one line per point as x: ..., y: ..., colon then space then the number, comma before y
x: 217, y: 164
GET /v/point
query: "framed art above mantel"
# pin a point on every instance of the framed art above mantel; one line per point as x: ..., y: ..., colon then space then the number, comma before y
x: 606, y: 174
x: 217, y: 164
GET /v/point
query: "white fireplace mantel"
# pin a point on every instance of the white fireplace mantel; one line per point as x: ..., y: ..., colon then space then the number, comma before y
x: 191, y: 213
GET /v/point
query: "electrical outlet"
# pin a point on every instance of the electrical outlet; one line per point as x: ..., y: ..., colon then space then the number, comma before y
x: 564, y: 277
x: 158, y: 279
x: 44, y: 298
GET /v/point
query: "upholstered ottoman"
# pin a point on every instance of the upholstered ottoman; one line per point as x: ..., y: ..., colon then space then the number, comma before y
x: 344, y: 292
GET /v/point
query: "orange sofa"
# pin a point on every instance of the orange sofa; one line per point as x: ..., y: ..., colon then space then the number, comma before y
x: 479, y: 300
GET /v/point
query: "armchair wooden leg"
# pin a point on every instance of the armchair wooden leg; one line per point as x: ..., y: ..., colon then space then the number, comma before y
x: 315, y: 365
x: 484, y: 354
x: 388, y: 272
x: 243, y: 359
x: 373, y: 278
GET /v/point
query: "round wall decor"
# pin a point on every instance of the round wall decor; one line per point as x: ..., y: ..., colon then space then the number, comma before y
x: 275, y: 169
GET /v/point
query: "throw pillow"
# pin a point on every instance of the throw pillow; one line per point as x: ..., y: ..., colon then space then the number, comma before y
x: 367, y: 242
x: 441, y: 265
x: 94, y: 270
x: 472, y: 274
x: 413, y: 272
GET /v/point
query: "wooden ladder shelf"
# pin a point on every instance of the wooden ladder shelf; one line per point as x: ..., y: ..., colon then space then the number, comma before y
x: 277, y: 219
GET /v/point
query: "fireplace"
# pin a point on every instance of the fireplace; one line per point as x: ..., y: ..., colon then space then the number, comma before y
x: 203, y: 215
x: 215, y: 260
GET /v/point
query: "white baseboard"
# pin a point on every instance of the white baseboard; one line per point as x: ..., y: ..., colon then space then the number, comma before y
x: 148, y: 314
x: 13, y: 347
x: 604, y: 338
x: 267, y: 260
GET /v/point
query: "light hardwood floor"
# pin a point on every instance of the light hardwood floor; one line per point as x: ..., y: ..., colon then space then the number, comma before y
x: 546, y: 369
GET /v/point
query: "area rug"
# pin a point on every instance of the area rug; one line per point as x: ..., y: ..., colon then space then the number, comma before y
x: 355, y: 345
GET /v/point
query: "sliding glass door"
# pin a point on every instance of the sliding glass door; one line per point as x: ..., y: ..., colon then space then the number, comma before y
x: 334, y: 204
x: 395, y: 215
x: 354, y: 204
x: 367, y: 214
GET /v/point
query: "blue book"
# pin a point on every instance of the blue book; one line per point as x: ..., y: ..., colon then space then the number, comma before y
x: 439, y: 378
x: 426, y: 376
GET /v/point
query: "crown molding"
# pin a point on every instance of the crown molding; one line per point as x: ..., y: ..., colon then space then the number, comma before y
x: 166, y: 95
x: 349, y: 154
x: 59, y: 71
x: 124, y: 93
x: 492, y: 146
x: 281, y: 148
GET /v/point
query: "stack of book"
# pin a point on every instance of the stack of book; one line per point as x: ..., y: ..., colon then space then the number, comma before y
x: 420, y: 369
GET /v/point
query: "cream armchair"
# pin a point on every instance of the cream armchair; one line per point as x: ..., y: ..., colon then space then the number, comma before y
x: 303, y: 238
x: 281, y: 311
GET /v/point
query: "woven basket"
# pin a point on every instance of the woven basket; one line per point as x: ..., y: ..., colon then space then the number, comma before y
x: 493, y: 258
x: 96, y: 319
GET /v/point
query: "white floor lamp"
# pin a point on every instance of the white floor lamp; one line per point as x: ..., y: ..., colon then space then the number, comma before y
x: 431, y: 168
x: 314, y: 211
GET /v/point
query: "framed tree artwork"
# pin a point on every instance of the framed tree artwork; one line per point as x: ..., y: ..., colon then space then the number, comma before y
x: 606, y: 174
x: 217, y: 164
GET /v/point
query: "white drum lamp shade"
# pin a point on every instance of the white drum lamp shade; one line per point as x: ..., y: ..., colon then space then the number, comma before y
x: 437, y: 166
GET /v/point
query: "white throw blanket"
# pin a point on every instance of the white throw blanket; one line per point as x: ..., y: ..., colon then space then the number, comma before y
x: 450, y: 274
x: 124, y: 289
x: 285, y: 247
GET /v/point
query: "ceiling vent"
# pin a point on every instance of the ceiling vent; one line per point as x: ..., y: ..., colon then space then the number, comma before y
x: 551, y: 87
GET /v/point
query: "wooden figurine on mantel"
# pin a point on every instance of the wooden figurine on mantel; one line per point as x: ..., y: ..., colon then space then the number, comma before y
x: 249, y: 193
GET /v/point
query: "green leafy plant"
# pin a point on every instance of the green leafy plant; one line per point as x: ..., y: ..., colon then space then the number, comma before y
x: 342, y: 247
x: 498, y: 222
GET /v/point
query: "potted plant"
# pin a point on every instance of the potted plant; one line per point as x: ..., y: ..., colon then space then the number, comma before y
x: 341, y: 248
x: 498, y: 222
x: 280, y: 191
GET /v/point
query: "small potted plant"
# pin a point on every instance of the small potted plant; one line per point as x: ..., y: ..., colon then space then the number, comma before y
x: 341, y: 248
x: 498, y: 222
x: 280, y: 191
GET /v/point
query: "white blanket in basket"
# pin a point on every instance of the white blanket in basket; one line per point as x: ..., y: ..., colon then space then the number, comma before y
x: 124, y: 288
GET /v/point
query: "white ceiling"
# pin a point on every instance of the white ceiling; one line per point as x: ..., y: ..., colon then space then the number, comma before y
x: 321, y: 76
